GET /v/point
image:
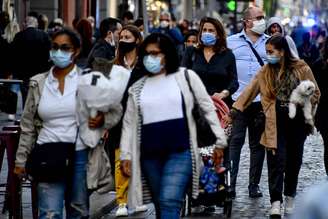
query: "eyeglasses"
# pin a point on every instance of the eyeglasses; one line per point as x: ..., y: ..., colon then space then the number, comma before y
x: 62, y: 47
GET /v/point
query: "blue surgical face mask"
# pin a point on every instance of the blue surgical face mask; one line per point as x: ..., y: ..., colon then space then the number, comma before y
x: 273, y: 59
x: 153, y: 64
x: 208, y: 39
x: 60, y: 58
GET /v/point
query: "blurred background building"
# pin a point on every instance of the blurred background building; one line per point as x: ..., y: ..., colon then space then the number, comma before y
x: 291, y: 11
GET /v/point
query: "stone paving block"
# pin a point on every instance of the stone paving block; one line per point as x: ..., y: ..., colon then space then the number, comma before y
x: 312, y: 173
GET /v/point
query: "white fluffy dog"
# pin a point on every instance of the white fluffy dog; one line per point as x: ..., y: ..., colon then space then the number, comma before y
x: 301, y: 96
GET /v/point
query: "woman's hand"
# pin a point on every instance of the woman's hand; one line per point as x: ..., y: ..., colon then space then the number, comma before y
x: 227, y: 119
x: 126, y: 167
x: 98, y: 121
x: 20, y: 172
x: 222, y: 95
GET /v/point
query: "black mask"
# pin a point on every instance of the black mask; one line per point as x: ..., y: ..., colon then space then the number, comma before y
x: 126, y: 47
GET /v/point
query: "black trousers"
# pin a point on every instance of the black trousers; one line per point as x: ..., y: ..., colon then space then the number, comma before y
x: 324, y: 134
x: 241, y: 122
x: 285, y: 163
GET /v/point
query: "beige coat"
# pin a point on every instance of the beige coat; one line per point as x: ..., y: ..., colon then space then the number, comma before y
x: 257, y: 86
x: 98, y: 168
x: 131, y: 132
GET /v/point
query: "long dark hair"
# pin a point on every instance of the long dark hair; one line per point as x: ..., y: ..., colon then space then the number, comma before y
x: 221, y: 42
x: 84, y: 28
x: 275, y: 73
x: 119, y: 60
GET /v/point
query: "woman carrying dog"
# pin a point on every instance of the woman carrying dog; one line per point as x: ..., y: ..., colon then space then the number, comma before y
x: 283, y: 137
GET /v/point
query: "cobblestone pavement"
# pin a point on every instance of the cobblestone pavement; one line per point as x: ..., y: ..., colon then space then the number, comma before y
x: 312, y: 173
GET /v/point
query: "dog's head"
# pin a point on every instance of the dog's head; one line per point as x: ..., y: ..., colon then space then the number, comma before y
x: 306, y: 88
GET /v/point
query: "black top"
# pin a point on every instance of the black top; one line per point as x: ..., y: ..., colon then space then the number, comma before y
x: 320, y: 69
x: 309, y: 53
x: 4, y: 57
x: 30, y: 53
x: 218, y: 74
x: 101, y: 49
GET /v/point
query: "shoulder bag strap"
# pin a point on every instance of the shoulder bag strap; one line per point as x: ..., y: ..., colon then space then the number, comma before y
x: 189, y: 85
x: 259, y: 59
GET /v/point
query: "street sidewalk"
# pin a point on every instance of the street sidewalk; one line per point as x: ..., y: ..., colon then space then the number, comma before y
x: 99, y: 204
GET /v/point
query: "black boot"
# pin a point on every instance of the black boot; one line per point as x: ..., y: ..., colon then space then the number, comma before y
x: 254, y: 191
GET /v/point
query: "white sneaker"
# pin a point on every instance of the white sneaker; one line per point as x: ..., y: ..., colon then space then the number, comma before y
x: 289, y: 204
x: 122, y: 211
x: 275, y: 208
x: 141, y: 208
x: 12, y: 117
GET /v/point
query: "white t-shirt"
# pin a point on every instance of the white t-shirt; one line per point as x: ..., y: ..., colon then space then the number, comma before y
x: 161, y: 99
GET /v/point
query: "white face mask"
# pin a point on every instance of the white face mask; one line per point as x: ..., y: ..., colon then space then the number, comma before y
x: 164, y: 24
x: 259, y: 26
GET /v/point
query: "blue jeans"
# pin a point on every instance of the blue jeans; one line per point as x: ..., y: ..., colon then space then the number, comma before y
x: 51, y: 196
x: 168, y: 178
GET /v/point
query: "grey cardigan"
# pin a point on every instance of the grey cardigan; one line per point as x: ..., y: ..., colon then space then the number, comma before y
x: 131, y: 132
x: 98, y: 173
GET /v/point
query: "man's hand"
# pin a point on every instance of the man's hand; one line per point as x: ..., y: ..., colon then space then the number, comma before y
x: 98, y: 121
x: 126, y: 167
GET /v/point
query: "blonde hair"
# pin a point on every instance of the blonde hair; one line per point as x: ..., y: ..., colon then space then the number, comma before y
x: 10, y: 31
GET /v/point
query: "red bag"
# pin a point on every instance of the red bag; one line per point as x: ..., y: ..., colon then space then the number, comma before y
x: 222, y: 111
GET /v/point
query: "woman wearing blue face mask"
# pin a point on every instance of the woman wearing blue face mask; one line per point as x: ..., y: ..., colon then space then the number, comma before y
x: 213, y: 61
x: 283, y: 137
x: 159, y: 134
x: 49, y: 119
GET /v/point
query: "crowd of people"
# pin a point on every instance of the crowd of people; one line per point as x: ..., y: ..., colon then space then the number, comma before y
x: 146, y: 138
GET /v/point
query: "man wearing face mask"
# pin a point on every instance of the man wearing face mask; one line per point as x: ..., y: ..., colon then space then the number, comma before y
x: 248, y: 47
x: 106, y: 46
x: 168, y: 29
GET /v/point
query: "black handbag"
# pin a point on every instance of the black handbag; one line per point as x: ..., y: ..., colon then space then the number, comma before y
x: 51, y: 162
x: 205, y: 135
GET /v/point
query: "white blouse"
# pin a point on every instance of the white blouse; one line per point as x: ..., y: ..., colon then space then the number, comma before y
x: 58, y: 111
